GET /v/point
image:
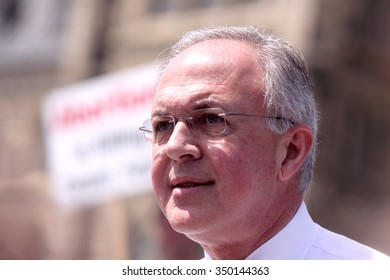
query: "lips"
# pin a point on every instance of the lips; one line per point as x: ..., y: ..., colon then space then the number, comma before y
x: 192, y: 184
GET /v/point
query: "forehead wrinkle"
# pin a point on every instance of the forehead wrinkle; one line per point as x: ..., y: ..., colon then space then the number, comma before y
x: 197, y: 105
x: 183, y: 100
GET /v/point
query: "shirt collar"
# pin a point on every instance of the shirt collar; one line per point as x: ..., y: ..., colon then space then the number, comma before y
x: 293, y: 242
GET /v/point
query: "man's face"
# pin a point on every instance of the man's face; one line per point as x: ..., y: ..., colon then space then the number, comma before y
x: 216, y: 188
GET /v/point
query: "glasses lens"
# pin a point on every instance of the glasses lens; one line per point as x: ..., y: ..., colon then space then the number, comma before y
x: 205, y: 121
x: 147, y: 130
x: 208, y: 121
x: 162, y: 127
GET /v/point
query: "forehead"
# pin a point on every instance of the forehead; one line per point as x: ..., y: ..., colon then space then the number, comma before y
x: 211, y: 72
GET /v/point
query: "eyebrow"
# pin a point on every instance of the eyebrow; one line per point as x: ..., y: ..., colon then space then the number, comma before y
x: 158, y: 113
x: 206, y: 103
x: 198, y: 105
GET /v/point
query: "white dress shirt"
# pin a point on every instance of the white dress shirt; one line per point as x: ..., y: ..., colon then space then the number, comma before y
x: 302, y: 239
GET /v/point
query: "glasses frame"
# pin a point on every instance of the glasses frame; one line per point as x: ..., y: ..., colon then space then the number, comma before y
x: 146, y: 131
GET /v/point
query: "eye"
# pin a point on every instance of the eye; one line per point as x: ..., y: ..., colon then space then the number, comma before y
x: 210, y: 121
x: 163, y: 124
x: 211, y: 118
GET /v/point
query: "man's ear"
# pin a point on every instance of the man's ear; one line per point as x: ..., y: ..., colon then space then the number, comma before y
x: 297, y: 144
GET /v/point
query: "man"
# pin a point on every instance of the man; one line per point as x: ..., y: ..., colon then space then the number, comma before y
x: 234, y: 128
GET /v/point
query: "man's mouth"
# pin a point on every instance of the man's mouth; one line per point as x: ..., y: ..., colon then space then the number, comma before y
x: 192, y: 184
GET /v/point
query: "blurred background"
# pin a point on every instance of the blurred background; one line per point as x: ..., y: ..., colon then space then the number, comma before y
x: 54, y: 51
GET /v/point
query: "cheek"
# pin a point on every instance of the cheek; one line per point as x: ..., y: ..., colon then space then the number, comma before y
x: 159, y: 176
x: 244, y: 165
x: 158, y: 162
x: 242, y: 183
x: 229, y: 162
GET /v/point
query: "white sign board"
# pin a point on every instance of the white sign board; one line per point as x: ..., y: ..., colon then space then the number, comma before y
x: 95, y: 150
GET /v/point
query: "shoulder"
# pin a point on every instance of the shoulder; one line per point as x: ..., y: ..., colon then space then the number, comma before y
x: 333, y: 246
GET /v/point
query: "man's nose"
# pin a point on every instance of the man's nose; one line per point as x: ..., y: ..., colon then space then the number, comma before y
x: 182, y: 144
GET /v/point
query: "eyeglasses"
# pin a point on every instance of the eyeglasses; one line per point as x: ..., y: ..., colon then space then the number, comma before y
x: 210, y: 121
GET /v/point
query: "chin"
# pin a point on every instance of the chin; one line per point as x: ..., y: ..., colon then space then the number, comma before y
x: 183, y: 222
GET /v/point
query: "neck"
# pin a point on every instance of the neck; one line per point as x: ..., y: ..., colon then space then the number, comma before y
x: 241, y: 249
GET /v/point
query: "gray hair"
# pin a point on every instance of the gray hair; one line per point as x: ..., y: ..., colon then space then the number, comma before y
x: 288, y: 91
